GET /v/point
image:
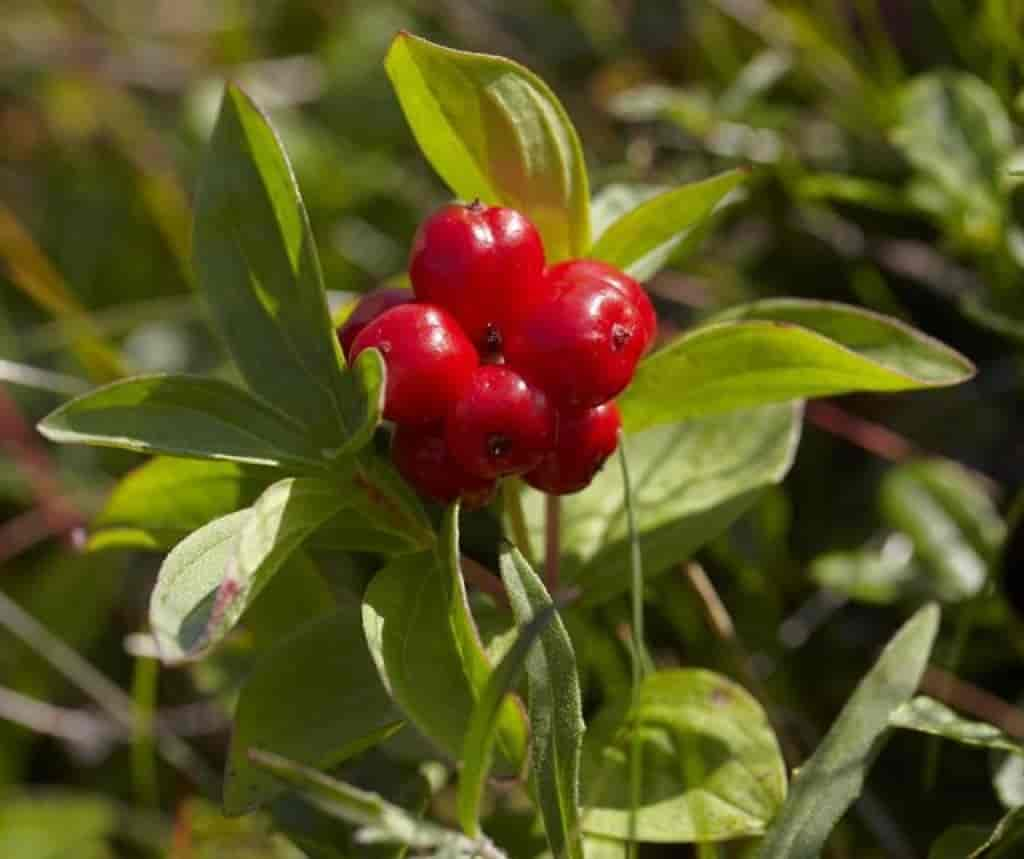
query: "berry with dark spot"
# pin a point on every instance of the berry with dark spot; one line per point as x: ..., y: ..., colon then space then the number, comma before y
x: 484, y: 265
x: 500, y: 425
x: 582, y: 347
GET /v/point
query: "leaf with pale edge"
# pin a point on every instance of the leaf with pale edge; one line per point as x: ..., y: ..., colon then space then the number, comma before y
x: 495, y: 131
x: 556, y: 720
x: 832, y: 779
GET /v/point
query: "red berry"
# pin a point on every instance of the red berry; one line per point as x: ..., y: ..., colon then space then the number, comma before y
x: 421, y: 456
x: 576, y: 271
x: 582, y: 347
x: 370, y: 306
x: 585, y: 441
x: 500, y: 425
x: 429, y: 361
x: 483, y: 264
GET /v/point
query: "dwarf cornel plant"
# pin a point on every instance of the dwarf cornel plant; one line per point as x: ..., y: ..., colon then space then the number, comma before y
x: 446, y: 645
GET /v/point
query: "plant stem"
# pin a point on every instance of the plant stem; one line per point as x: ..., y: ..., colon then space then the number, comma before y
x: 110, y: 697
x: 638, y: 649
x: 145, y: 682
x: 553, y: 541
x: 512, y: 496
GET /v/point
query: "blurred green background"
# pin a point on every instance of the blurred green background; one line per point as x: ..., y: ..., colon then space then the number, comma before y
x: 886, y: 141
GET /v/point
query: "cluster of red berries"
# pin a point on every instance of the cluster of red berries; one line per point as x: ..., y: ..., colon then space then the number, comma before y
x: 498, y: 364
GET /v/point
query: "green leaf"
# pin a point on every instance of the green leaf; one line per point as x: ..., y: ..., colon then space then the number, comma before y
x: 641, y: 241
x: 316, y: 698
x: 829, y: 782
x: 951, y: 519
x: 777, y: 350
x: 483, y: 726
x: 954, y: 129
x: 690, y: 482
x: 929, y: 716
x: 556, y: 720
x: 380, y: 821
x: 160, y: 503
x: 495, y: 131
x: 712, y: 768
x: 55, y: 825
x: 427, y: 649
x: 973, y: 842
x: 257, y: 267
x: 185, y: 416
x: 209, y: 579
x: 958, y: 842
x: 880, y: 575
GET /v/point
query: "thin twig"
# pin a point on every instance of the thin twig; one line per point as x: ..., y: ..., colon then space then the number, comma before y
x: 110, y: 697
x: 482, y: 578
x: 867, y: 435
x: 722, y: 625
x: 967, y: 698
x: 552, y: 541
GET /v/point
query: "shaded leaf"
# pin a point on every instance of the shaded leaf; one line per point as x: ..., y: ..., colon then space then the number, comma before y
x: 257, y: 268
x: 870, y: 574
x: 712, y: 768
x: 641, y: 241
x: 784, y: 350
x: 556, y: 720
x: 690, y: 481
x: 185, y: 416
x: 483, y: 726
x: 427, y: 649
x: 316, y: 699
x: 494, y: 131
x: 380, y: 820
x: 832, y: 779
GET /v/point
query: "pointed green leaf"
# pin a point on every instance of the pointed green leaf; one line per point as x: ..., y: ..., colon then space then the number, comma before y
x: 642, y: 241
x: 257, y: 267
x: 832, y: 779
x: 712, y: 768
x: 483, y: 726
x: 185, y: 416
x: 315, y: 698
x: 929, y: 716
x: 380, y: 820
x: 209, y: 579
x: 556, y: 720
x: 973, y: 842
x: 773, y: 351
x: 427, y: 648
x: 690, y: 482
x: 495, y: 131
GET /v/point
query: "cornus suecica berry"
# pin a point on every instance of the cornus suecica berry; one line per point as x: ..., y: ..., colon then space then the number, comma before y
x: 484, y: 265
x: 370, y: 306
x: 576, y: 271
x: 497, y: 365
x: 422, y: 457
x: 582, y: 346
x: 500, y: 425
x: 429, y: 361
x: 585, y: 441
